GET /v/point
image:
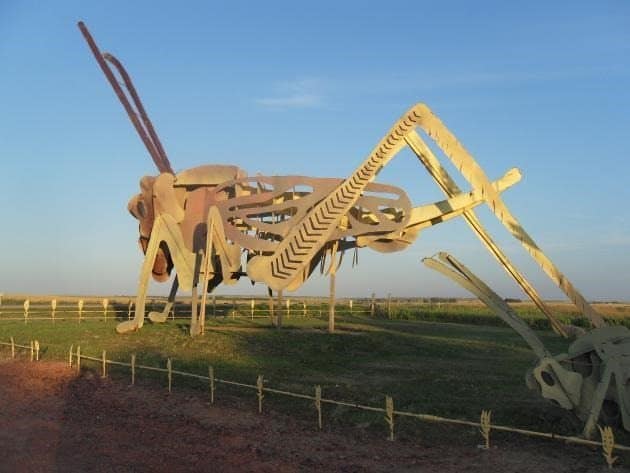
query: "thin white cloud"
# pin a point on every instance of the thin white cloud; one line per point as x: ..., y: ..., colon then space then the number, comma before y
x: 302, y: 93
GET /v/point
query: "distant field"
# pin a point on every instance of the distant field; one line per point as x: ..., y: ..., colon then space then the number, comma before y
x: 448, y: 369
x: 468, y: 311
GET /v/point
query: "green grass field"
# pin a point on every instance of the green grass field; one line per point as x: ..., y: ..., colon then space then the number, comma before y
x: 446, y: 369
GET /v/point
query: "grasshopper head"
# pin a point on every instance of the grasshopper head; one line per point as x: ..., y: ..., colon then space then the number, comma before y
x: 141, y: 206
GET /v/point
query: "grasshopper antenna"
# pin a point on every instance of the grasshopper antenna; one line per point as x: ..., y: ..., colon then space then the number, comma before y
x: 145, y: 128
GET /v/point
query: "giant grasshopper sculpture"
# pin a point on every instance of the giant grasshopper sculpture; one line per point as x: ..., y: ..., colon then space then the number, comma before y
x: 213, y: 224
x: 203, y: 222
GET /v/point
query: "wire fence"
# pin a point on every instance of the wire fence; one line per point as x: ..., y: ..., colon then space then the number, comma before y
x: 485, y: 426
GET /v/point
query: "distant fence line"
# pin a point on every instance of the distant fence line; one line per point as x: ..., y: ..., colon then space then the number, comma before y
x: 241, y: 308
x: 485, y: 426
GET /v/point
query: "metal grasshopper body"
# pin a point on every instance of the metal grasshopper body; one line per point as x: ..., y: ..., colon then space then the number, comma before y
x: 203, y: 222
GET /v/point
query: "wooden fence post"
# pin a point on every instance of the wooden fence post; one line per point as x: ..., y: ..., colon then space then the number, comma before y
x: 271, y: 309
x: 304, y: 308
x: 53, y: 309
x: 279, y: 317
x: 129, y: 309
x: 36, y: 350
x: 12, y: 348
x: 26, y: 306
x: 169, y: 367
x: 259, y: 387
x: 373, y: 305
x: 331, y: 303
x: 350, y: 304
x: 105, y: 304
x: 104, y: 365
x: 288, y: 307
x: 78, y: 358
x: 389, y: 416
x: 252, y: 305
x: 32, y: 351
x: 133, y: 369
x: 70, y: 357
x: 80, y: 306
x: 318, y: 405
x: 211, y: 377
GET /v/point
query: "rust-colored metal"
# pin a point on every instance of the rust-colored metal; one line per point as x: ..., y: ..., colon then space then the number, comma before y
x: 153, y: 147
x: 165, y: 164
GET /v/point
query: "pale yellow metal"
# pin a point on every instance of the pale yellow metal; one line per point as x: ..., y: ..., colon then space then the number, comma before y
x: 485, y: 427
x: 478, y: 179
x: 448, y: 185
x: 608, y: 444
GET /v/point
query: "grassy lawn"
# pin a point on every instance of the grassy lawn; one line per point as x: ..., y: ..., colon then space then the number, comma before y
x: 452, y: 370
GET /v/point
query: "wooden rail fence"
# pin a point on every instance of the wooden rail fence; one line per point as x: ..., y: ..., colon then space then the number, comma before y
x: 75, y: 357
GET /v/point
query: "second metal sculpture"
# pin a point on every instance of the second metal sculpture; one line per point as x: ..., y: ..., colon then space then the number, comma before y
x: 591, y: 379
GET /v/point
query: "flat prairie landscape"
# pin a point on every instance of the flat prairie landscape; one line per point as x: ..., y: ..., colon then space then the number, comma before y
x: 447, y: 369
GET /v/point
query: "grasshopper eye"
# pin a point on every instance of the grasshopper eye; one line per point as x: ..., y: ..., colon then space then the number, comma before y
x: 141, y: 209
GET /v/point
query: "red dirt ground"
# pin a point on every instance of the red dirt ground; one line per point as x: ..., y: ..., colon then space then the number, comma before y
x: 52, y: 420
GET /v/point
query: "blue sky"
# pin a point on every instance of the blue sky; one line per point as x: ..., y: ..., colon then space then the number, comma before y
x: 309, y: 88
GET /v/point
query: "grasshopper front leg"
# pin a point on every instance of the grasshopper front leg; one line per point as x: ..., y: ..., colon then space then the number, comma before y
x: 165, y: 229
x: 152, y: 249
x: 229, y: 256
x: 160, y: 317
